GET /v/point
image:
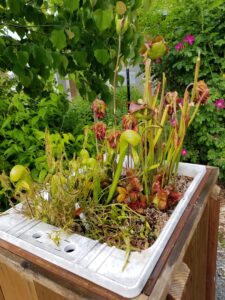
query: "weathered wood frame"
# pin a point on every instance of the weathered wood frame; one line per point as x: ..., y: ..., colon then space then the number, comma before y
x: 185, y: 270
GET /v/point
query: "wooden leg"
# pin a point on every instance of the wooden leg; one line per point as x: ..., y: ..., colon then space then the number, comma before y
x: 179, y: 283
x: 214, y: 208
x: 1, y: 294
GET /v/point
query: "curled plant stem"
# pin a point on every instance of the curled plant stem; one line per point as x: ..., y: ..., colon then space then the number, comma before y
x: 114, y: 80
x: 197, y: 67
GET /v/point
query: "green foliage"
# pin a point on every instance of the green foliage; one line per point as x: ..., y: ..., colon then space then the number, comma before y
x: 205, y: 140
x: 121, y: 103
x: 22, y: 124
x: 75, y: 38
x: 80, y: 114
x: 205, y: 21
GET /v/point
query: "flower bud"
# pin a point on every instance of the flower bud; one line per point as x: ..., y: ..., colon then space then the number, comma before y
x: 100, y: 130
x: 114, y: 138
x: 154, y: 49
x: 99, y: 108
x: 121, y: 25
x: 129, y: 122
x: 202, y: 92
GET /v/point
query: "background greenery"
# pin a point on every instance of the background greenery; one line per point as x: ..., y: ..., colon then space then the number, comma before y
x: 72, y: 37
x: 205, y: 20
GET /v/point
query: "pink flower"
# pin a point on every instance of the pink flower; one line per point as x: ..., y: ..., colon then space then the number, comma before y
x: 190, y: 39
x: 219, y: 103
x: 180, y: 101
x: 179, y: 46
x: 174, y: 123
x: 184, y: 152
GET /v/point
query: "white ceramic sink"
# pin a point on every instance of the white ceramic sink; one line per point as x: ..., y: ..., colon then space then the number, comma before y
x: 88, y: 258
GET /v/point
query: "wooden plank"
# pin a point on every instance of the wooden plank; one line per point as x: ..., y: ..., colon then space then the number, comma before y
x: 196, y: 258
x: 179, y: 282
x: 44, y: 293
x: 141, y: 297
x: 1, y: 294
x: 58, y: 274
x: 56, y: 282
x: 214, y: 208
x: 14, y: 285
x: 174, y: 251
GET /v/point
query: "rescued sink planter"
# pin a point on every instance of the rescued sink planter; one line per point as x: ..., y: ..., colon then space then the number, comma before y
x: 88, y: 258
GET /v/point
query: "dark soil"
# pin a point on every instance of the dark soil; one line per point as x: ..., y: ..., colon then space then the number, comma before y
x: 156, y: 218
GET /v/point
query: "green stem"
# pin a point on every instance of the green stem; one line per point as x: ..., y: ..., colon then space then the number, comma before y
x: 162, y: 97
x: 117, y: 174
x: 197, y: 67
x: 114, y: 80
x: 159, y: 131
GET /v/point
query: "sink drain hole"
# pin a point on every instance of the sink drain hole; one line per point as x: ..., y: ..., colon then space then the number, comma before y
x: 36, y: 235
x: 69, y: 248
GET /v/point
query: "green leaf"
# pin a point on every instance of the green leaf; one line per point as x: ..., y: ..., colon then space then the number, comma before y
x: 39, y: 2
x: 76, y: 31
x: 147, y: 4
x: 15, y: 6
x: 2, y: 43
x: 64, y: 61
x: 42, y: 175
x: 137, y: 4
x: 56, y: 59
x: 58, y: 39
x: 80, y: 57
x: 102, y: 56
x: 93, y: 2
x: 3, y: 3
x: 18, y: 70
x: 70, y: 34
x: 9, y: 54
x: 22, y: 58
x: 71, y: 5
x: 103, y: 18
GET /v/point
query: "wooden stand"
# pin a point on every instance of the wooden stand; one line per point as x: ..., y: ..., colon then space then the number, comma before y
x: 185, y: 270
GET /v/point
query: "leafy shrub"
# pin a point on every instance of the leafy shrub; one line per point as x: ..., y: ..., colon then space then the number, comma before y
x: 22, y: 124
x: 78, y: 38
x: 78, y: 115
x: 122, y: 103
x: 205, y: 141
x: 196, y: 26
